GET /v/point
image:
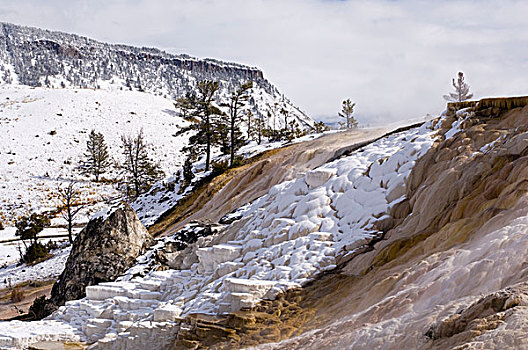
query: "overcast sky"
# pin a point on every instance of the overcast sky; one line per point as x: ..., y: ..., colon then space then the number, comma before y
x: 395, y: 59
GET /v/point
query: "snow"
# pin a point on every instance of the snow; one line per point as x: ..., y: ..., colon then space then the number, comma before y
x: 11, y: 273
x: 33, y: 162
x: 8, y: 251
x: 491, y: 145
x: 46, y: 270
x: 462, y: 115
x: 429, y: 290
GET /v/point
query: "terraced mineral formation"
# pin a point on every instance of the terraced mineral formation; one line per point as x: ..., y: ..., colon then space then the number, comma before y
x: 417, y: 240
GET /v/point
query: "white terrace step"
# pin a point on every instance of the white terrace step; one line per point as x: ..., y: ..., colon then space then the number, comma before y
x: 167, y: 312
x: 241, y: 300
x: 132, y: 315
x: 210, y: 257
x: 141, y: 335
x: 258, y: 288
x: 94, y: 308
x: 102, y: 292
x: 128, y: 304
x: 96, y: 326
x: 150, y: 284
x: 144, y: 294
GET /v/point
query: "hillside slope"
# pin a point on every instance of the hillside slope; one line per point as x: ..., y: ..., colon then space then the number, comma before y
x: 44, y: 134
x: 273, y: 248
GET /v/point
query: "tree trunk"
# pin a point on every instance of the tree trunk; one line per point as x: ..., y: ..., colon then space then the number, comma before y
x: 70, y: 224
x: 232, y: 145
x: 208, y: 143
x: 249, y: 127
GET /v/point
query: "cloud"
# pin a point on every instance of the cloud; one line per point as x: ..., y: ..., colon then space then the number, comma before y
x: 395, y: 59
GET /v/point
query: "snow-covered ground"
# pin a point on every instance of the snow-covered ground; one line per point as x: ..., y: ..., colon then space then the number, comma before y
x: 11, y: 273
x: 283, y: 240
x: 48, y: 269
x: 44, y: 134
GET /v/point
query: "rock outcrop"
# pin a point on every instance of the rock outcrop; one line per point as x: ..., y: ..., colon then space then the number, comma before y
x: 103, y: 251
x: 487, y: 313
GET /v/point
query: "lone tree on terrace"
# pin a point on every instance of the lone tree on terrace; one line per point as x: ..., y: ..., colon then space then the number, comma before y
x: 140, y: 170
x: 461, y: 90
x: 347, y: 110
x: 96, y: 159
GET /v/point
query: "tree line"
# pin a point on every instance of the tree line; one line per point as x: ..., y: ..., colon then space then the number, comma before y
x: 220, y: 125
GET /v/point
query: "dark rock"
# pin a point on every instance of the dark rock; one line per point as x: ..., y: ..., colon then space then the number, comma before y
x: 41, y: 308
x: 103, y: 251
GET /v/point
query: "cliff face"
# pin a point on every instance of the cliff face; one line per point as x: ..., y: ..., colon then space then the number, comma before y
x: 37, y: 57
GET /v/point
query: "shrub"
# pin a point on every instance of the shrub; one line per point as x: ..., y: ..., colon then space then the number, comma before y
x: 238, y: 161
x: 1, y: 226
x: 219, y: 167
x: 51, y: 245
x: 17, y: 295
x: 35, y: 252
x: 29, y: 226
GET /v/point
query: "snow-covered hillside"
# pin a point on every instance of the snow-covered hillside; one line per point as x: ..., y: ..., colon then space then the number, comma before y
x: 44, y: 134
x: 37, y: 57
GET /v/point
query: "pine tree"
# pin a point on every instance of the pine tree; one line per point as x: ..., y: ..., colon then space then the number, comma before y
x: 188, y: 174
x: 461, y: 90
x: 96, y: 159
x: 203, y: 112
x: 249, y: 118
x: 139, y: 169
x: 347, y: 110
x: 285, y: 113
x: 185, y: 106
x: 237, y: 101
x: 272, y: 113
x: 259, y: 121
x: 320, y: 127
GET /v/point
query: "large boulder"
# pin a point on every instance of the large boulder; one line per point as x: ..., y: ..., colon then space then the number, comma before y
x: 103, y: 250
